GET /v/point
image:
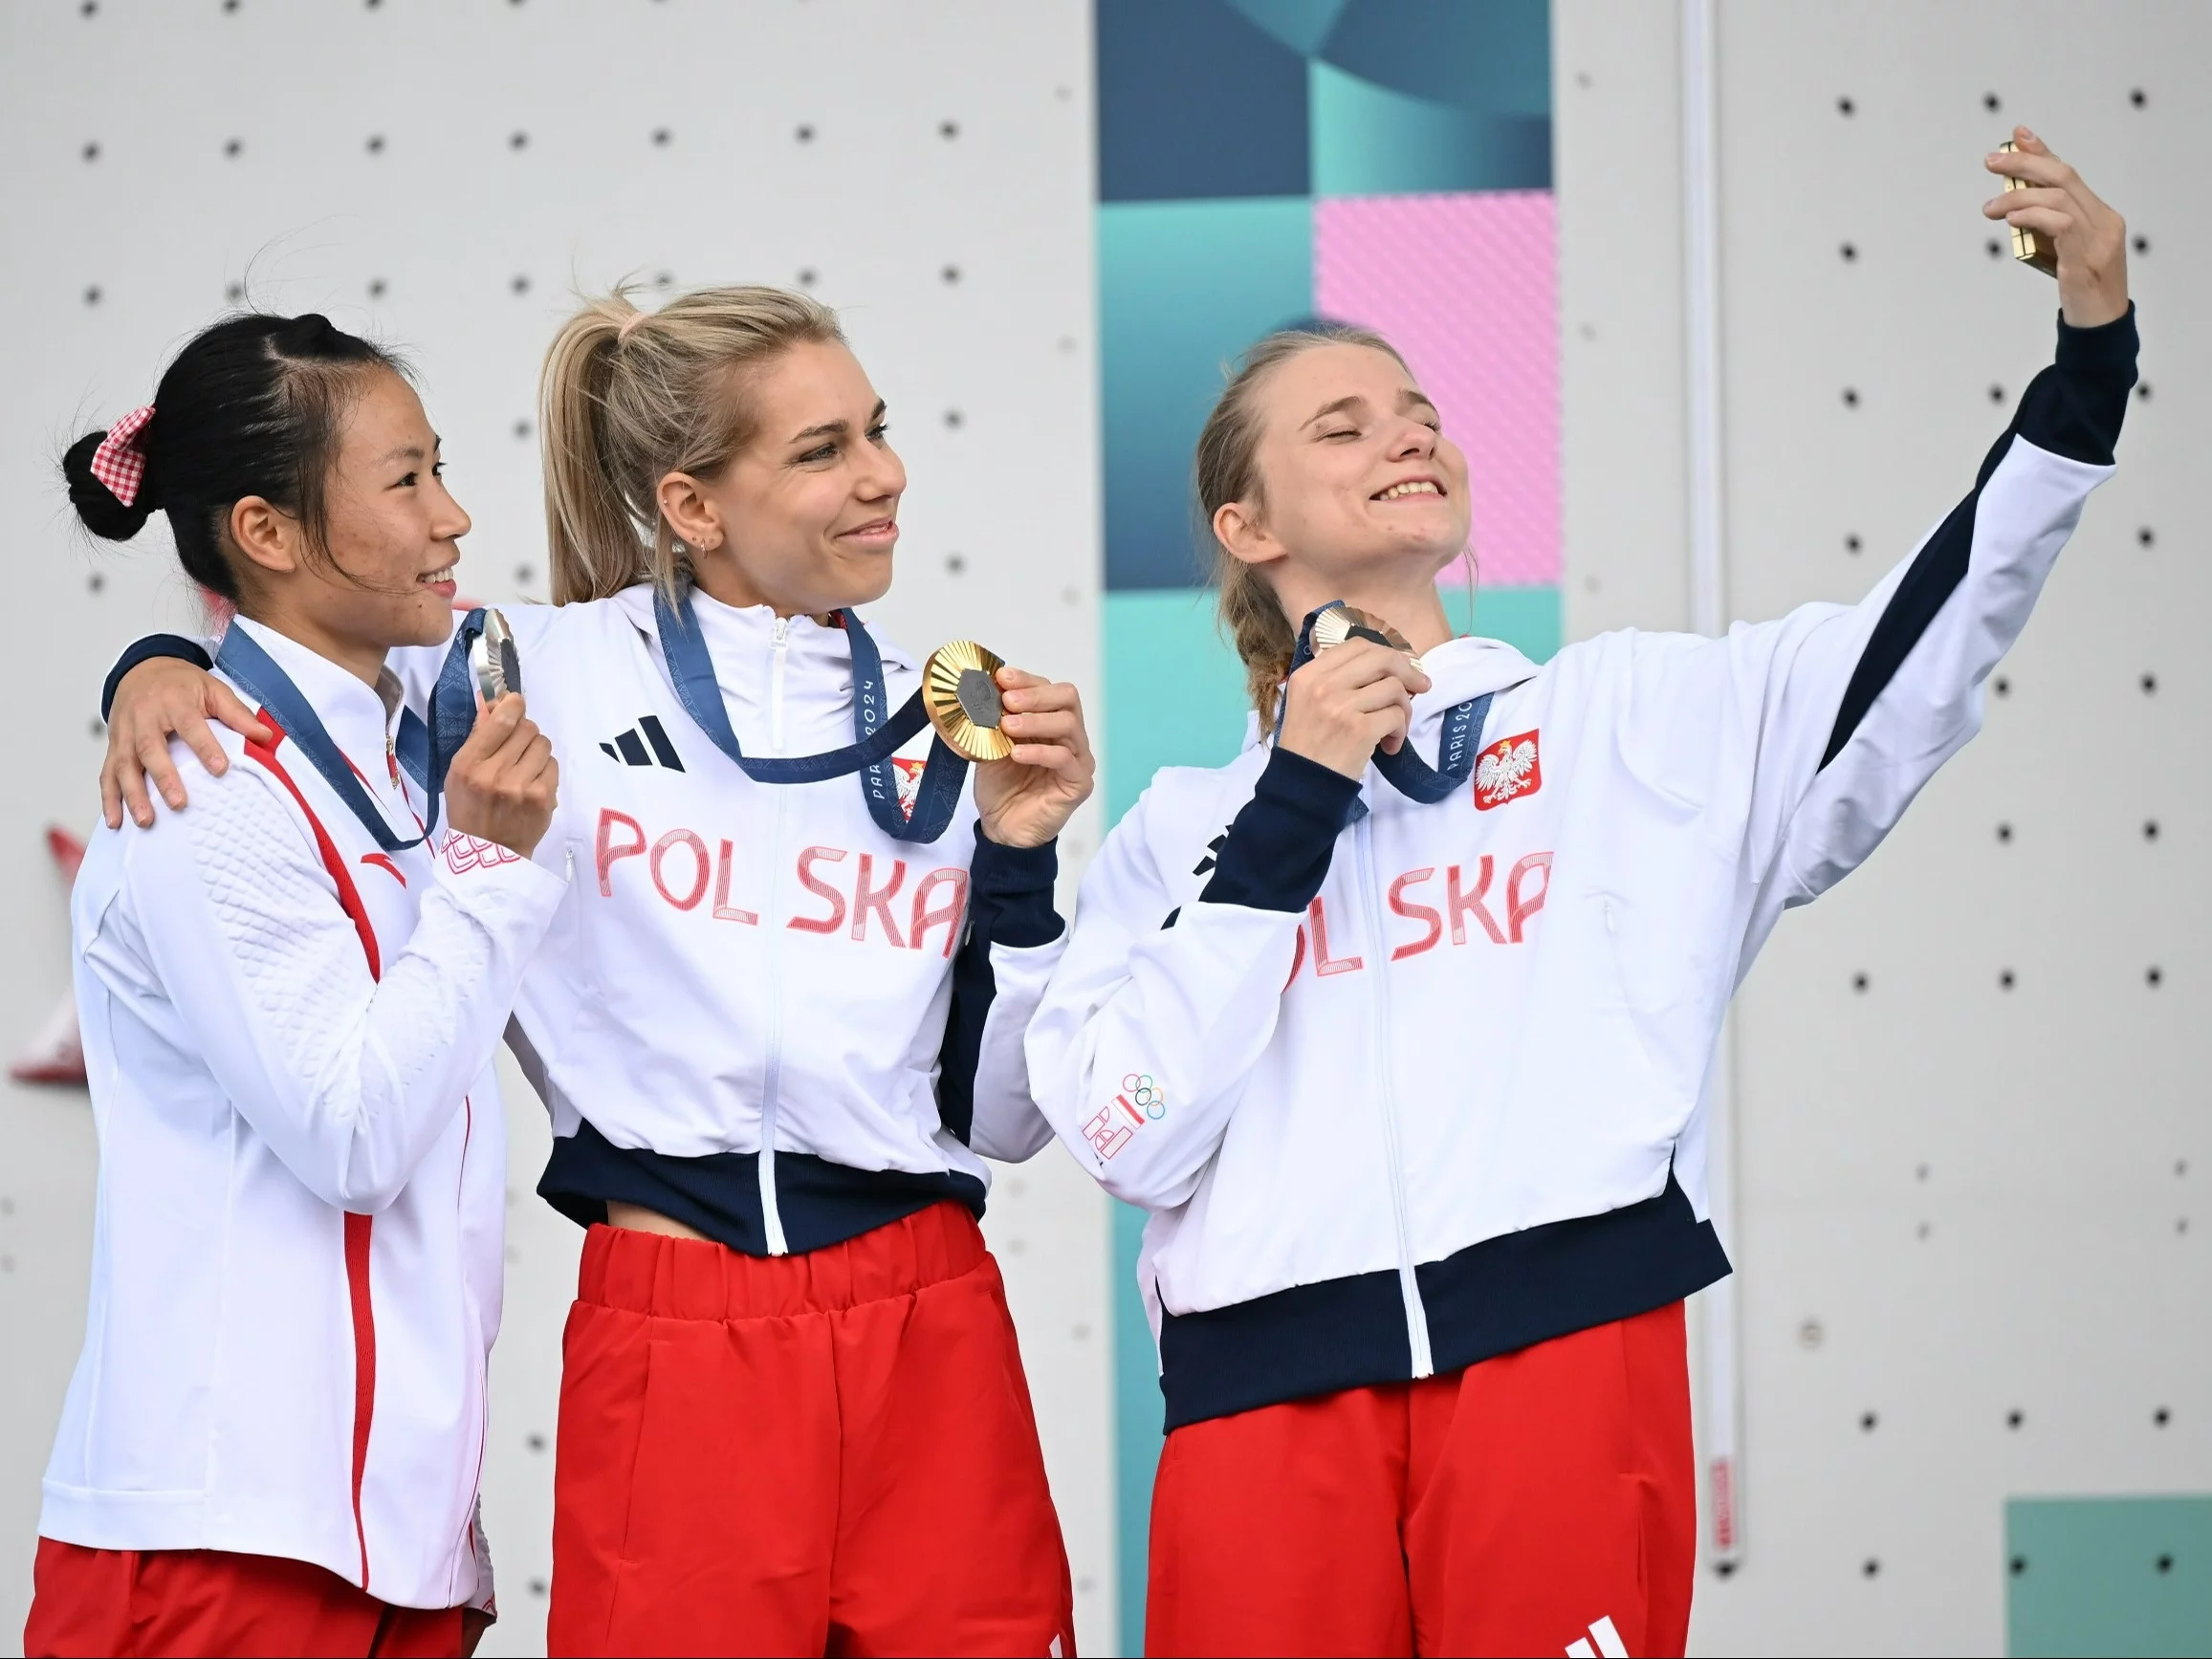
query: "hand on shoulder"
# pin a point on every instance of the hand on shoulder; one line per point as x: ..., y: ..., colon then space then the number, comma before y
x: 165, y: 698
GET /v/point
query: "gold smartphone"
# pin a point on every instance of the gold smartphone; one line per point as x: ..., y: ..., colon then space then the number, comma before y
x: 2028, y: 247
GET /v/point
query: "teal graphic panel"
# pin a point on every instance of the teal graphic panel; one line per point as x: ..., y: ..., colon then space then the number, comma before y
x: 1370, y: 140
x: 2108, y: 1575
x: 1183, y: 288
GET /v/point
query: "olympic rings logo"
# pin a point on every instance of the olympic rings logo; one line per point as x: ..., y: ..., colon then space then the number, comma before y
x: 1148, y: 1095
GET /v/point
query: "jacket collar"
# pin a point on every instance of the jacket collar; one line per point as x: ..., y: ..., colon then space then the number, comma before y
x: 359, y: 717
x: 734, y: 633
x: 1466, y: 668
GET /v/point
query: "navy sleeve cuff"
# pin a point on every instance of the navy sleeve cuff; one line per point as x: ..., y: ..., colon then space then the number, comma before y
x: 1009, y: 892
x: 146, y: 650
x: 2076, y: 407
x: 1277, y: 851
x: 2110, y: 348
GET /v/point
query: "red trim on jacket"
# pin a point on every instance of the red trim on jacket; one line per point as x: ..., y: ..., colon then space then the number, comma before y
x: 358, y: 1228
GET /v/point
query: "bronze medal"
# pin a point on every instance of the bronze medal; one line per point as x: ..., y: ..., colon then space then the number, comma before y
x: 960, y: 691
x: 1341, y: 622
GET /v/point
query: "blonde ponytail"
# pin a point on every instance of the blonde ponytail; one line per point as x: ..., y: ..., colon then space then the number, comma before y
x: 1227, y: 469
x: 630, y: 396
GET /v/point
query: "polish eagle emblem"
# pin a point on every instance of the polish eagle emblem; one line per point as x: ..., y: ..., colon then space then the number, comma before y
x: 909, y: 777
x: 1507, y: 770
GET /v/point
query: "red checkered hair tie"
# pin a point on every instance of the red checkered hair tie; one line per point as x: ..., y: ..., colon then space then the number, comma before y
x: 118, y: 463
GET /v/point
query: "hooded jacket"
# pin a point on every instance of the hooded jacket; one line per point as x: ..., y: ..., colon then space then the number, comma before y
x: 1406, y: 1087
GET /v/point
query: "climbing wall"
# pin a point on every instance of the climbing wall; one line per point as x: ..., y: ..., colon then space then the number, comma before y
x: 1970, y: 1095
x: 443, y: 173
x: 1969, y: 1085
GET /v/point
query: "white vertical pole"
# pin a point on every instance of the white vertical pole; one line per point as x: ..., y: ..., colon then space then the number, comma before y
x: 1724, y: 1415
x: 1701, y: 299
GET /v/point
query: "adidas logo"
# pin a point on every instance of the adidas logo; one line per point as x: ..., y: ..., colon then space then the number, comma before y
x: 1607, y: 1639
x: 630, y: 748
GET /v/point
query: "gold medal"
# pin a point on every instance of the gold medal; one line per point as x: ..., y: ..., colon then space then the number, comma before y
x: 960, y: 691
x: 1341, y: 622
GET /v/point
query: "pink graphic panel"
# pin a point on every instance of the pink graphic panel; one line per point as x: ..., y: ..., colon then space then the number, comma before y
x: 1464, y: 286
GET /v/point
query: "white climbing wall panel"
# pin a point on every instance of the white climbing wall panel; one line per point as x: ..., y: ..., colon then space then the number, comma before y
x: 1973, y: 1112
x: 443, y: 173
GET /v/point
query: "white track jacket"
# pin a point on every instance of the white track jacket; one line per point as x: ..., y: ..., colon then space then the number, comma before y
x: 757, y: 1012
x: 298, y: 1240
x: 1405, y: 1087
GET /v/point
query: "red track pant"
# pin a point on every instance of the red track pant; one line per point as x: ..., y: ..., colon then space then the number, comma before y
x: 1527, y: 1504
x: 822, y: 1454
x: 146, y: 1602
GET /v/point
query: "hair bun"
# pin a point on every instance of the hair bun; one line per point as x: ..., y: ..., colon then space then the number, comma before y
x: 96, y: 508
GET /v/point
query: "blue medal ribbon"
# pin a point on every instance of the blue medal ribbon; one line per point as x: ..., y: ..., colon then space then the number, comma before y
x: 427, y: 749
x: 876, y: 737
x: 253, y: 671
x: 1408, y: 772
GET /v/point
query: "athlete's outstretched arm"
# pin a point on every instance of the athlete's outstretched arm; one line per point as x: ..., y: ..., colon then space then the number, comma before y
x: 1837, y: 716
x: 161, y: 688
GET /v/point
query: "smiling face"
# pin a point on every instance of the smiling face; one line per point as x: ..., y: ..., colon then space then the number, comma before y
x: 805, y: 517
x: 1356, y: 482
x: 385, y: 577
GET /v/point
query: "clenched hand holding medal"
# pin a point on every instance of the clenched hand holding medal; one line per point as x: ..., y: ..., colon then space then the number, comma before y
x: 1348, y: 701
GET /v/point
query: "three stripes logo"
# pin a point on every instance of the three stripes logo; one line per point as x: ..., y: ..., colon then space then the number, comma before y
x: 1213, y: 854
x: 1211, y: 857
x: 1607, y: 1639
x: 633, y: 750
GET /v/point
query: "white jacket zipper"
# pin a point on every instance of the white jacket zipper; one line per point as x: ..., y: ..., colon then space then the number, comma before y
x: 1409, y: 1285
x: 779, y: 649
x: 770, y: 1216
